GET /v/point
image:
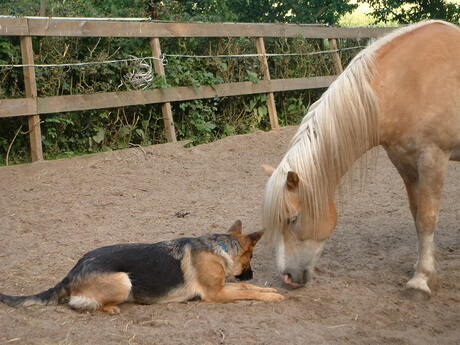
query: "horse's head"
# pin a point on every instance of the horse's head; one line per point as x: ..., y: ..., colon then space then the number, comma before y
x: 299, y: 238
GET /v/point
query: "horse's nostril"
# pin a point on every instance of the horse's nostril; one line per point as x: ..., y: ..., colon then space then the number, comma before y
x: 296, y: 278
x: 287, y: 278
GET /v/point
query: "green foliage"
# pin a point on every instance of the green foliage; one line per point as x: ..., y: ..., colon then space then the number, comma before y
x: 294, y: 110
x: 290, y: 11
x: 10, y: 53
x: 268, y: 11
x: 200, y: 121
x: 76, y: 8
x: 411, y: 11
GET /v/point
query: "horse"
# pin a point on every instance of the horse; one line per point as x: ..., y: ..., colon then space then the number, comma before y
x: 402, y: 92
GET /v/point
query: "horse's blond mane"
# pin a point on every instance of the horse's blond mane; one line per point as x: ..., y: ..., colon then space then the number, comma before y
x: 338, y: 129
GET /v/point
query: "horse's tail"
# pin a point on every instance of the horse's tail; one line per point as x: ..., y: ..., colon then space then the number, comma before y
x: 52, y: 296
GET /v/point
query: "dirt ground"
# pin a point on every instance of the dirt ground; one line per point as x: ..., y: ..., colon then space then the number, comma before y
x: 53, y: 212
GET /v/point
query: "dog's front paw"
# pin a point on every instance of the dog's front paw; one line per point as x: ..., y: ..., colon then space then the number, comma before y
x: 274, y: 297
x: 268, y: 289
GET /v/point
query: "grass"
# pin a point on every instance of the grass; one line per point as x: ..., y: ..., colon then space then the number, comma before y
x: 359, y: 17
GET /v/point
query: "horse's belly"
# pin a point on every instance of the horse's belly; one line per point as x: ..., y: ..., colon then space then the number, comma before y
x: 455, y: 156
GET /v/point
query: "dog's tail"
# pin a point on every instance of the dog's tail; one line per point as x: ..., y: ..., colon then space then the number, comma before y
x: 52, y: 296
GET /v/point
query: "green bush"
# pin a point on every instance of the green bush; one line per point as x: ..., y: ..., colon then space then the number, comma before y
x: 67, y: 134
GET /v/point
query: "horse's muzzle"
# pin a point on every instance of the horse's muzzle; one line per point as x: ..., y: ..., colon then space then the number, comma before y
x: 297, y: 280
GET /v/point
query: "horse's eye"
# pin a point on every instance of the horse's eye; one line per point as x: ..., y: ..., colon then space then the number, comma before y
x: 292, y: 220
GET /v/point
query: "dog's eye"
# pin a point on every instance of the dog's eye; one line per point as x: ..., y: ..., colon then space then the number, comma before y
x: 292, y: 220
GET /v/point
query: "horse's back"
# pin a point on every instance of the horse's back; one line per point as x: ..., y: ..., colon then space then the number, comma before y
x: 418, y: 86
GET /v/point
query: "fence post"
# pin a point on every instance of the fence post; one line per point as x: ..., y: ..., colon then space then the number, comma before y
x: 270, y: 98
x: 165, y: 107
x: 335, y: 56
x: 31, y: 92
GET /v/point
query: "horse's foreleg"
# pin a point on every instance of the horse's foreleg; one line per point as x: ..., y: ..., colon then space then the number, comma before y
x: 409, y: 173
x: 432, y: 168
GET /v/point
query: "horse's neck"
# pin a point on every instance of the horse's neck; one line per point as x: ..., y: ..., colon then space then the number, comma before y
x: 335, y: 155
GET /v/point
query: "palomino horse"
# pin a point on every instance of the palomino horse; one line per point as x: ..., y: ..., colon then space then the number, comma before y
x: 402, y: 92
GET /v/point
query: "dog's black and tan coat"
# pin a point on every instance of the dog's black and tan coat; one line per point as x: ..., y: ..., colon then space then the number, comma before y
x: 169, y: 271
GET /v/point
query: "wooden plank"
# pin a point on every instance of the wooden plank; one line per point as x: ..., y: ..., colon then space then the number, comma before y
x: 30, y: 85
x: 18, y: 107
x: 266, y: 71
x: 55, y: 104
x: 13, y: 27
x: 89, y: 28
x: 165, y: 107
x: 335, y: 56
x: 103, y: 100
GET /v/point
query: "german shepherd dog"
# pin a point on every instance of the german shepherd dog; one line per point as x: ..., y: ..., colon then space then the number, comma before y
x: 169, y: 271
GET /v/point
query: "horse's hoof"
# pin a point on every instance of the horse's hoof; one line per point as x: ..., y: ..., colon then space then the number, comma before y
x: 434, y: 283
x: 416, y: 294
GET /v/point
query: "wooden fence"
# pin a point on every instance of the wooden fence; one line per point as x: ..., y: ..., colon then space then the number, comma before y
x: 32, y: 105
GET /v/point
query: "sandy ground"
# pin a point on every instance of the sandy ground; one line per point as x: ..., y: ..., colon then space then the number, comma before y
x: 53, y: 212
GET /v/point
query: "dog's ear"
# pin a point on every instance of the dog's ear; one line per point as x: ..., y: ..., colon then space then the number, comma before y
x: 247, y: 242
x: 236, y: 227
x: 268, y: 169
x: 254, y: 237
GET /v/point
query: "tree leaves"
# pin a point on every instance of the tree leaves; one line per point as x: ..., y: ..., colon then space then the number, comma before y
x: 411, y: 11
x: 263, y: 11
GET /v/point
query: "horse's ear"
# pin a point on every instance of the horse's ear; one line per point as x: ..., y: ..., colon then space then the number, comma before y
x: 268, y: 169
x: 236, y: 227
x: 292, y: 180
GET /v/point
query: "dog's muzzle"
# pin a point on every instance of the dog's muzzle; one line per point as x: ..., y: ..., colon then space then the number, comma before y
x: 245, y: 275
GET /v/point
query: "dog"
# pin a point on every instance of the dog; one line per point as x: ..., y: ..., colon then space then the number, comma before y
x: 170, y: 271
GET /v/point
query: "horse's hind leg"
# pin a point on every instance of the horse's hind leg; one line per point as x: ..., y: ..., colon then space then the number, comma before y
x: 424, y: 180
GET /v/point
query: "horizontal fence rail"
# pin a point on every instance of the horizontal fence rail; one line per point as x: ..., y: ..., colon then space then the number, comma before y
x: 101, y: 100
x: 32, y: 105
x: 91, y: 28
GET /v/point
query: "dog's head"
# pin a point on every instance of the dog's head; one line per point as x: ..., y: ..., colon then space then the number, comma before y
x: 242, y: 262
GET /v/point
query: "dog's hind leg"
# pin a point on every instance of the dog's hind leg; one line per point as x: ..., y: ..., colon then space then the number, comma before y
x: 102, y: 291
